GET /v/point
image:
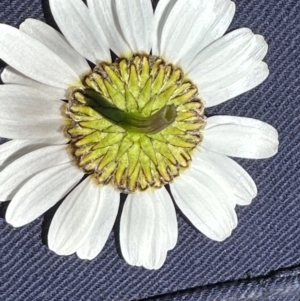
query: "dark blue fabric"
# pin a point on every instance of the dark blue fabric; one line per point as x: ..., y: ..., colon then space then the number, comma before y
x: 260, y: 261
x: 282, y: 285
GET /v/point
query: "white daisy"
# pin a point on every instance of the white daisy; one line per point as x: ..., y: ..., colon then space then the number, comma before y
x: 132, y: 125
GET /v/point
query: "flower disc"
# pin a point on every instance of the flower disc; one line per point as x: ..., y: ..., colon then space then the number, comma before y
x: 124, y: 157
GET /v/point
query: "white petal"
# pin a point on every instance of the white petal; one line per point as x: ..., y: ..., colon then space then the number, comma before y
x: 135, y: 18
x: 240, y: 137
x: 252, y: 79
x: 57, y: 43
x: 14, y: 149
x: 104, y: 16
x: 171, y: 218
x: 220, y: 19
x: 12, y: 76
x: 146, y: 228
x: 29, y: 113
x: 105, y: 216
x: 161, y: 15
x: 203, y: 201
x: 74, y: 218
x: 234, y: 42
x: 27, y: 103
x: 180, y: 27
x: 191, y: 26
x: 14, y: 175
x: 74, y: 20
x: 225, y: 67
x: 235, y: 181
x: 202, y: 164
x: 42, y: 192
x: 230, y: 66
x: 33, y: 59
x: 52, y: 130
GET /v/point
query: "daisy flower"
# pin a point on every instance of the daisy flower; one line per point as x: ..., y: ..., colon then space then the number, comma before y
x: 132, y: 124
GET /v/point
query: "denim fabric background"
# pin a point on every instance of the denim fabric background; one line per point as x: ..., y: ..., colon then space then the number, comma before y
x: 260, y: 261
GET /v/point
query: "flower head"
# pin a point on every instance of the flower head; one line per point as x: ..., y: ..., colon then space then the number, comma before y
x: 133, y: 124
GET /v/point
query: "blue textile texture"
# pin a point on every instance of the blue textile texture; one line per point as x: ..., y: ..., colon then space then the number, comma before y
x: 260, y: 261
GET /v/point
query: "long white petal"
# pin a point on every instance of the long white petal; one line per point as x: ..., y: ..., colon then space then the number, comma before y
x: 105, y: 216
x: 135, y: 19
x: 48, y: 129
x: 146, y: 229
x: 75, y: 22
x: 29, y: 113
x: 42, y: 192
x: 235, y: 181
x: 171, y: 218
x: 180, y: 27
x: 240, y: 137
x: 74, y: 218
x: 234, y: 42
x: 183, y: 29
x: 34, y: 59
x: 14, y: 149
x: 229, y: 64
x: 14, y: 175
x: 104, y: 16
x: 161, y: 15
x: 12, y: 76
x: 57, y: 43
x: 252, y: 79
x: 25, y: 103
x: 203, y: 201
x: 219, y: 21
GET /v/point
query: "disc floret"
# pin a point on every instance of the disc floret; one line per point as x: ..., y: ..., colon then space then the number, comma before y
x: 135, y: 122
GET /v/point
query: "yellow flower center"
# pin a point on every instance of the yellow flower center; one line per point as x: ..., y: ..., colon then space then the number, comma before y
x: 135, y: 123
